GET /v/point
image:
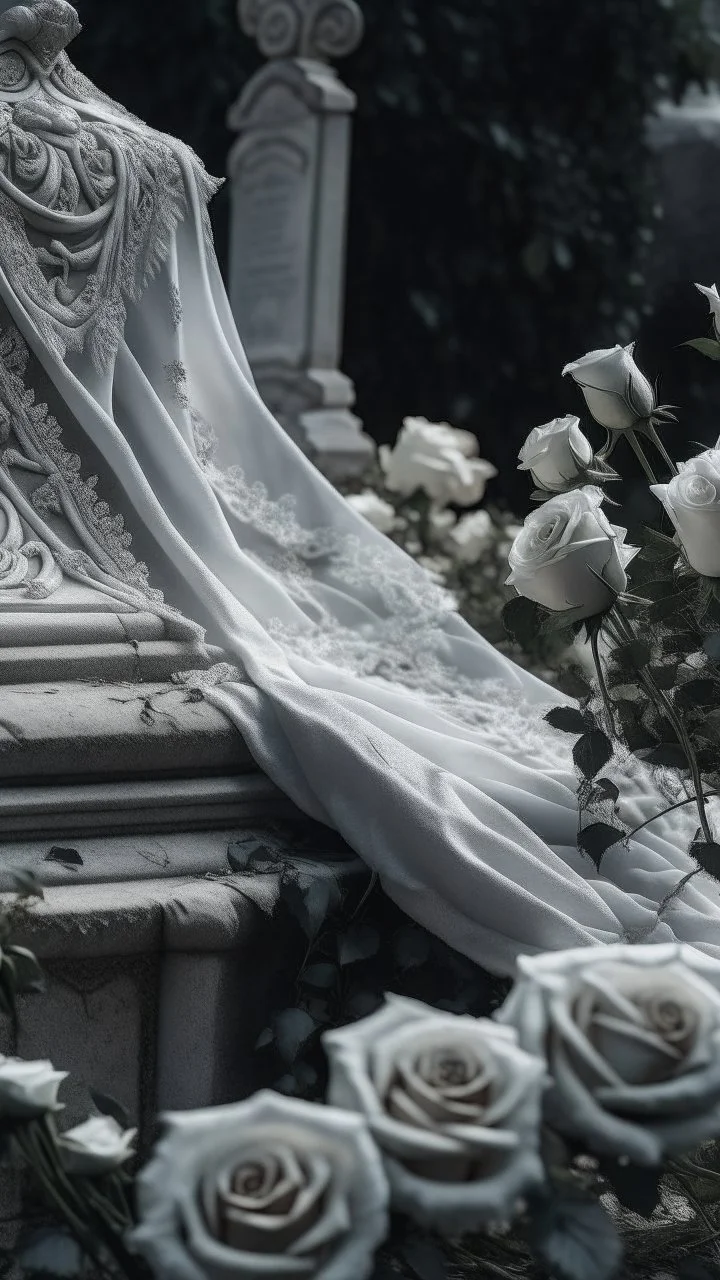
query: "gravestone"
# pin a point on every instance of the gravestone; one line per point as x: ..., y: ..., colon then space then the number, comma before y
x: 289, y: 175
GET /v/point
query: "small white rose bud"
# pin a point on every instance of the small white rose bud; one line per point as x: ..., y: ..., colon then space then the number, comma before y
x: 713, y: 298
x: 616, y: 391
x: 556, y: 454
x: 98, y: 1146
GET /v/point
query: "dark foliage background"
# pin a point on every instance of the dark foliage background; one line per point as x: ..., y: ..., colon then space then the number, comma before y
x: 504, y: 204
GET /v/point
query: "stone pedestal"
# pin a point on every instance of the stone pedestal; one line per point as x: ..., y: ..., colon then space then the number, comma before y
x: 289, y: 176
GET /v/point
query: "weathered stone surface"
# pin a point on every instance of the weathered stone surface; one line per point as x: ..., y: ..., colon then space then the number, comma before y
x: 289, y: 174
x: 85, y: 729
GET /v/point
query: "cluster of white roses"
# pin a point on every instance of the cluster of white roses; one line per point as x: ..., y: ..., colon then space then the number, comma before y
x: 568, y: 556
x: 439, y: 1116
x: 434, y: 1114
x: 442, y: 463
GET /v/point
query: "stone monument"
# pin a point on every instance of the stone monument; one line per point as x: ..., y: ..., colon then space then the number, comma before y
x: 289, y: 176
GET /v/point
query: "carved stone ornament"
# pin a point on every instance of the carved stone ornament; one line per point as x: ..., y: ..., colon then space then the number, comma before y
x: 319, y: 29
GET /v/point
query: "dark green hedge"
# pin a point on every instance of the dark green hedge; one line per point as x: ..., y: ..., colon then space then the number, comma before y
x: 502, y: 202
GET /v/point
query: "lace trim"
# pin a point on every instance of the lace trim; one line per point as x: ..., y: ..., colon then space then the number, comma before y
x: 62, y: 489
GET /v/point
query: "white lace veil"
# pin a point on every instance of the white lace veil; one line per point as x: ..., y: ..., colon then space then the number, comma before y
x: 358, y: 689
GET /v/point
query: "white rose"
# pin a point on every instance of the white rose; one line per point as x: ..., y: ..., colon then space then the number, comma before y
x: 453, y: 1106
x: 379, y: 513
x: 440, y: 523
x: 632, y: 1036
x: 616, y: 392
x: 569, y: 556
x: 28, y: 1089
x: 267, y: 1187
x: 713, y: 298
x: 470, y: 537
x: 98, y: 1146
x: 556, y: 454
x: 439, y: 459
x: 692, y: 501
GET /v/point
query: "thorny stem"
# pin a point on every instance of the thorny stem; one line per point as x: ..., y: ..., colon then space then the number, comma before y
x: 664, y: 703
x: 594, y: 636
x: 653, y: 436
x: 36, y: 1159
x: 640, y: 454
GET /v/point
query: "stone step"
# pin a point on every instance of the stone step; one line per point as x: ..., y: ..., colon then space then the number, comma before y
x: 86, y: 730
x: 127, y: 660
x: 135, y: 805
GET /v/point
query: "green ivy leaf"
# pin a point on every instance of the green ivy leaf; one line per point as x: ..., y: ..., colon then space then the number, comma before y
x: 597, y: 838
x: 575, y: 1239
x: 592, y: 752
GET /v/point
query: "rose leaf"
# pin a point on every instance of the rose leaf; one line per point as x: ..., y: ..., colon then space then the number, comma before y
x: 50, y: 1251
x: 697, y: 693
x: 251, y: 854
x: 708, y: 855
x: 606, y: 789
x: 28, y: 971
x: 412, y: 947
x: 68, y: 857
x: 570, y: 720
x: 706, y: 346
x: 633, y: 654
x: 597, y: 838
x: 592, y: 752
x: 293, y: 1028
x: 361, y: 942
x: 635, y: 1186
x: 425, y: 1258
x: 696, y: 1269
x: 521, y: 619
x: 575, y: 1239
x: 320, y: 976
x: 711, y: 646
x: 669, y: 754
x: 109, y: 1106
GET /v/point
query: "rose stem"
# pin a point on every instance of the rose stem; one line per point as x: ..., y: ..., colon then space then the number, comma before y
x: 661, y: 814
x: 652, y: 435
x: 594, y: 636
x: 112, y: 1240
x: 664, y: 703
x: 638, y: 449
x: 35, y: 1157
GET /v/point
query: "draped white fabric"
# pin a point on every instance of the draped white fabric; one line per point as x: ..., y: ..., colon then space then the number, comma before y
x: 358, y: 689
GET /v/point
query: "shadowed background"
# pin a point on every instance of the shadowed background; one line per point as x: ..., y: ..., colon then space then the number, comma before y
x: 504, y: 204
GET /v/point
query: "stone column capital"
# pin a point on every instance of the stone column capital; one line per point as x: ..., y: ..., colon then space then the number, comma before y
x: 319, y: 29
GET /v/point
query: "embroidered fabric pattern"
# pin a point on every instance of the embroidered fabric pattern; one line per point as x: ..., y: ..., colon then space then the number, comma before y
x: 62, y: 487
x: 112, y: 197
x: 405, y: 643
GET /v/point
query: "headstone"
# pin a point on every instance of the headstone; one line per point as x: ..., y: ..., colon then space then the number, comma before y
x: 289, y: 175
